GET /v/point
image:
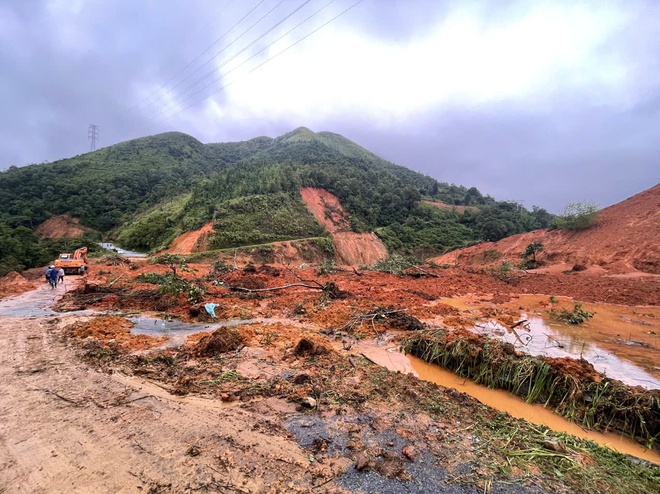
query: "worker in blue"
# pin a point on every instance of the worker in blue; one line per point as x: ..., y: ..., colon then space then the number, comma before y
x: 52, y: 276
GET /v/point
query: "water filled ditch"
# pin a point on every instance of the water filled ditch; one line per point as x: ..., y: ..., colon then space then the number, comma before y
x: 536, y: 414
x: 387, y: 355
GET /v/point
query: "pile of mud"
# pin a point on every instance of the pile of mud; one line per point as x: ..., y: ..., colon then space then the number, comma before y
x: 623, y: 240
x: 571, y: 387
x: 14, y: 284
x: 222, y: 340
x: 113, y: 332
x: 62, y: 226
x: 353, y: 249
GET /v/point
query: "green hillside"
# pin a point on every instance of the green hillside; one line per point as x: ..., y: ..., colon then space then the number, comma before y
x: 146, y: 191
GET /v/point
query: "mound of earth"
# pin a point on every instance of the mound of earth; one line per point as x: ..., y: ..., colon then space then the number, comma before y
x: 193, y: 241
x: 625, y: 239
x: 353, y: 249
x: 62, y: 226
x: 14, y: 284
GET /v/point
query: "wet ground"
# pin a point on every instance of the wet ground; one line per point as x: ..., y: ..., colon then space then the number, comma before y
x: 36, y: 303
x: 621, y: 341
x: 123, y: 252
x: 540, y: 337
x: 537, y: 339
x: 357, y: 425
x: 534, y: 413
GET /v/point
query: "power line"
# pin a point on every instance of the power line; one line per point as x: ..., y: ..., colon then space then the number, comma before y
x: 172, y: 98
x: 157, y: 92
x: 250, y: 58
x: 93, y: 135
x: 269, y: 59
x: 233, y: 57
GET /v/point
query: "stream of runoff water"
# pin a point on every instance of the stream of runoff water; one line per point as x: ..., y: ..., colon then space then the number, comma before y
x: 386, y: 354
x: 536, y: 414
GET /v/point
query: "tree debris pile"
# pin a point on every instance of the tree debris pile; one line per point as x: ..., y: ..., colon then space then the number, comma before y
x: 572, y: 388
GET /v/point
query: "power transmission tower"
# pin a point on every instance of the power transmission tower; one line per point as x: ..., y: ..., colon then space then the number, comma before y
x: 93, y: 135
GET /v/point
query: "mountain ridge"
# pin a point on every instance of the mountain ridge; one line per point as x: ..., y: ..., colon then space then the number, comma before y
x: 147, y: 191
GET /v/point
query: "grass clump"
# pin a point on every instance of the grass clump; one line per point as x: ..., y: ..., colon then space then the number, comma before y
x: 577, y: 216
x: 571, y: 387
x: 576, y: 316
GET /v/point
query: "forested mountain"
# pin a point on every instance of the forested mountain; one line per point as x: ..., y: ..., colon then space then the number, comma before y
x: 146, y: 191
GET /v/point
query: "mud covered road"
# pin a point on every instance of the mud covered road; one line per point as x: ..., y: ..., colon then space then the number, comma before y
x: 79, y: 415
x: 68, y: 428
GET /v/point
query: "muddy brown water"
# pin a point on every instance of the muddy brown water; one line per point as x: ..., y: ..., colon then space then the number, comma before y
x: 623, y: 342
x: 536, y: 414
x: 540, y: 337
x: 386, y: 353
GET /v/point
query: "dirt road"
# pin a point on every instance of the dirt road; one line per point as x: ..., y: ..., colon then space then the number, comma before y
x: 65, y: 427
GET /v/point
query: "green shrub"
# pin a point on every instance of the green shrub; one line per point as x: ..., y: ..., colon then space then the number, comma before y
x: 394, y: 264
x: 529, y: 256
x: 170, y: 283
x: 577, y: 316
x: 507, y: 273
x: 577, y: 216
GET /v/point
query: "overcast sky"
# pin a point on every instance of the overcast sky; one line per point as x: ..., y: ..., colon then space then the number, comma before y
x: 540, y: 102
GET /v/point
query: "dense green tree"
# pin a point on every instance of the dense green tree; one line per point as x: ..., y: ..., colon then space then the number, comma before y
x: 146, y: 191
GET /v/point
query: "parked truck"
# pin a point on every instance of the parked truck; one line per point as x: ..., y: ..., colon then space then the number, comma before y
x: 75, y: 263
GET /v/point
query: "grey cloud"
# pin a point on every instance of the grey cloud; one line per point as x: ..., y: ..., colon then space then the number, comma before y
x: 568, y: 147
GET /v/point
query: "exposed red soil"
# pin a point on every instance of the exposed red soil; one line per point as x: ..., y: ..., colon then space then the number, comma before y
x: 625, y: 239
x: 15, y: 284
x: 458, y: 209
x: 193, y: 241
x: 62, y: 226
x: 304, y: 348
x: 115, y: 330
x: 353, y: 249
x: 358, y: 249
x: 326, y: 209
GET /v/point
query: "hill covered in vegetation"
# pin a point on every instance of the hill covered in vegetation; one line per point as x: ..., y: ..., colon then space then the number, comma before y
x: 145, y: 192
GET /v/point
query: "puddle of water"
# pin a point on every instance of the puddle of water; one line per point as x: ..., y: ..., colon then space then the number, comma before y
x: 539, y: 337
x: 36, y: 303
x: 177, y: 331
x: 621, y: 341
x: 536, y: 414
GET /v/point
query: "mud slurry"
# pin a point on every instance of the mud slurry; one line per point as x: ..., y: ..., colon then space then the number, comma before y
x: 360, y: 426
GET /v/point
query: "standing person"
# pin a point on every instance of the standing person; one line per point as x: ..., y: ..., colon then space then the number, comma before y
x: 52, y: 277
x: 48, y: 269
x: 60, y: 275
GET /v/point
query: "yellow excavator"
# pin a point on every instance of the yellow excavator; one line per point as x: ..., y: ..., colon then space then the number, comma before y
x: 75, y: 263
